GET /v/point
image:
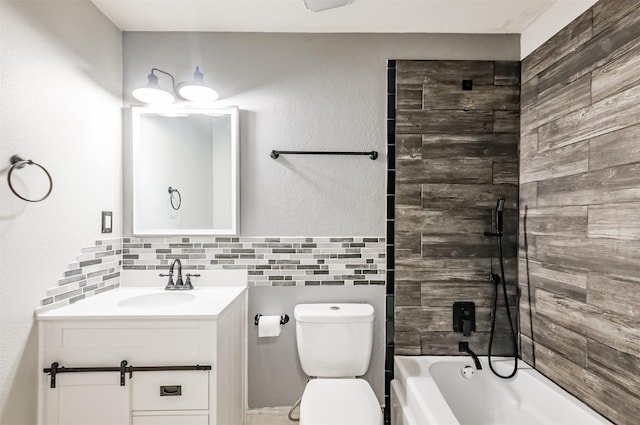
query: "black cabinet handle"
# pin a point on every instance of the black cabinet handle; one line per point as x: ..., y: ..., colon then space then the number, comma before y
x: 170, y: 390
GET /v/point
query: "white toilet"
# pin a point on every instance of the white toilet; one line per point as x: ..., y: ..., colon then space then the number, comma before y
x: 334, y: 345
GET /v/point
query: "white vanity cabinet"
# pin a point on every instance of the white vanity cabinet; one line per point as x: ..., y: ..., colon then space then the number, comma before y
x: 149, y: 397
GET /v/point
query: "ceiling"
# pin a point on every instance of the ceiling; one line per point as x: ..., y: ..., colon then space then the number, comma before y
x: 377, y: 16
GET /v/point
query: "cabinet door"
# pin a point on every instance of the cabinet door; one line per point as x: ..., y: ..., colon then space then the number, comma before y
x: 87, y: 399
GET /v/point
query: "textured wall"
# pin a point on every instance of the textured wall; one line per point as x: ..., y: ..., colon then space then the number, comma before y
x: 579, y: 208
x: 61, y: 76
x: 456, y: 152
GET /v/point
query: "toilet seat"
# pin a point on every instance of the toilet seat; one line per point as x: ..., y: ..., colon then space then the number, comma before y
x: 339, y: 402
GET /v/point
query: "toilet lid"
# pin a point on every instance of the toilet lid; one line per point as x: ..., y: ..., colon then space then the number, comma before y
x: 339, y: 402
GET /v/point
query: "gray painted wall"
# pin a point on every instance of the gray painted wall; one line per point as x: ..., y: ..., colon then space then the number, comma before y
x: 303, y: 92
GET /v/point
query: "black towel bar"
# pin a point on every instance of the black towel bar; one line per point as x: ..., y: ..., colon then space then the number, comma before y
x: 275, y: 154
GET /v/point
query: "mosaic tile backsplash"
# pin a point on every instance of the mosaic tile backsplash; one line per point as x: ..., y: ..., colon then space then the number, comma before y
x: 269, y: 261
x: 285, y: 261
x: 96, y: 270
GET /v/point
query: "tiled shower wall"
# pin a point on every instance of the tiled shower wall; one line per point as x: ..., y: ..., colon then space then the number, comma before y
x: 456, y: 151
x: 580, y: 209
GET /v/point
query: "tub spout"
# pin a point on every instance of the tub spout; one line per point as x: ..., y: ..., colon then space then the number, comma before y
x: 463, y: 347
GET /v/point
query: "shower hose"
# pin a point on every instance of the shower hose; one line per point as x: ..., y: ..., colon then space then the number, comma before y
x: 494, y: 313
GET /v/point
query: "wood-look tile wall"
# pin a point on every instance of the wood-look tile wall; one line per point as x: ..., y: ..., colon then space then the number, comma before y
x: 579, y: 257
x: 456, y: 152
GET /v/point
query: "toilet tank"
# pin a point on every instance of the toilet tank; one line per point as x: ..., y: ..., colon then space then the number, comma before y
x: 334, y: 340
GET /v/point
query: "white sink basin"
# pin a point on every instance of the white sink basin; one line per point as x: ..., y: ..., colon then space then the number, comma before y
x: 156, y: 300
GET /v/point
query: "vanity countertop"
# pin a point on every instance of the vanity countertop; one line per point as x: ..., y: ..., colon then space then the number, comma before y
x: 126, y: 303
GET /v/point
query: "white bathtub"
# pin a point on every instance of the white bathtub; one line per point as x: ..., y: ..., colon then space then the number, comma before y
x: 430, y: 390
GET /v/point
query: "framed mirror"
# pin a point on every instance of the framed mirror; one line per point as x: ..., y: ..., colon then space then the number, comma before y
x: 185, y: 171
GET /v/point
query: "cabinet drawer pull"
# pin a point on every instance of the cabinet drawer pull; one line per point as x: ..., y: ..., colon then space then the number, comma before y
x: 170, y: 390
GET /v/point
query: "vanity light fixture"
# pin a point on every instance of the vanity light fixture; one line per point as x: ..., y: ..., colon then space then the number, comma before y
x: 154, y: 94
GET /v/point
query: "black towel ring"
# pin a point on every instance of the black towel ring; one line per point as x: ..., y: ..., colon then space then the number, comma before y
x: 17, y: 162
x: 171, y: 191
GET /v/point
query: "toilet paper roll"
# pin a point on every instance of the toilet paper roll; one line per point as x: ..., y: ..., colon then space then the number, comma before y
x: 269, y: 326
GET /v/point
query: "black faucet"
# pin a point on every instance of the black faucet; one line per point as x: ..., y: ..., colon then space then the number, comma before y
x: 170, y: 285
x: 179, y: 284
x: 463, y: 347
x: 179, y: 278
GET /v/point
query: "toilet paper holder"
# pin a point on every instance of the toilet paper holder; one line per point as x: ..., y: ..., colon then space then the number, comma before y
x: 284, y: 318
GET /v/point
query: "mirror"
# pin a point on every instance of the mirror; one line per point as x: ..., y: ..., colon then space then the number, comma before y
x: 185, y: 171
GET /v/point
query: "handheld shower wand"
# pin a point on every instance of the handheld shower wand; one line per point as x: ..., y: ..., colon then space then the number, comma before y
x: 495, y: 279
